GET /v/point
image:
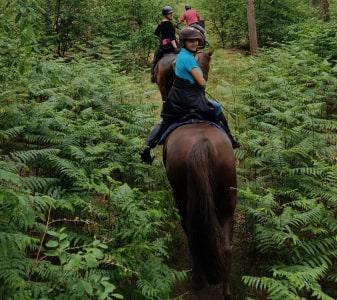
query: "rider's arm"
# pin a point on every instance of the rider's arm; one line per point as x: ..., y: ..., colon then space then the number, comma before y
x: 172, y: 35
x: 199, y: 78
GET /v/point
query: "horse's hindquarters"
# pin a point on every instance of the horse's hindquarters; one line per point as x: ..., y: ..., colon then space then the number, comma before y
x: 200, y: 165
x: 178, y: 145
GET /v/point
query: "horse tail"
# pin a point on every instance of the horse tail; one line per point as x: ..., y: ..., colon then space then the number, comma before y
x: 202, y: 226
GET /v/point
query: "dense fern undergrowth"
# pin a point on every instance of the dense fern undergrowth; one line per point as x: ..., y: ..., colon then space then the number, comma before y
x: 80, y: 216
x: 288, y: 167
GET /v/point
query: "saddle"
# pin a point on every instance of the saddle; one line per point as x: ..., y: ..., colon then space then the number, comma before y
x: 189, y: 119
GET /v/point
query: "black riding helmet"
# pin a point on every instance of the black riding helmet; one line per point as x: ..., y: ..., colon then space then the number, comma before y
x: 187, y: 7
x: 167, y: 10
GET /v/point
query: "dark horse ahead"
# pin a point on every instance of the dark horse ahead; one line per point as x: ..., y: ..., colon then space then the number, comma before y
x: 200, y: 165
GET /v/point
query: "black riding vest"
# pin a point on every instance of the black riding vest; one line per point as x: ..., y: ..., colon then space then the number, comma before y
x: 184, y: 99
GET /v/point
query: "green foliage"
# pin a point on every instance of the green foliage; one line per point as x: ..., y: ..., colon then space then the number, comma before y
x: 273, y: 18
x: 290, y: 175
x: 78, y: 211
x: 131, y: 25
x: 228, y: 19
x: 124, y: 29
x: 65, y: 22
x: 316, y: 36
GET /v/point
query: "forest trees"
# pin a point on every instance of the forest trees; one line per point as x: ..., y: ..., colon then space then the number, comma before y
x: 324, y: 10
x: 67, y: 24
x: 251, y: 27
x: 229, y: 20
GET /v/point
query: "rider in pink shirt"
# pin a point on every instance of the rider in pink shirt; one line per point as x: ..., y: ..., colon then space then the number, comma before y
x: 190, y: 16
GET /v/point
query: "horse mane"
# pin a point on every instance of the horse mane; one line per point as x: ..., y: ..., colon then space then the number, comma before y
x: 203, y: 59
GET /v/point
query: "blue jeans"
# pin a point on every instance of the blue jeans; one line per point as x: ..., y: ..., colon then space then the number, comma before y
x: 217, y: 107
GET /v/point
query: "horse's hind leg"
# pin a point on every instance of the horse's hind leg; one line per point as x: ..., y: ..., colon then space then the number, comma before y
x: 226, y: 220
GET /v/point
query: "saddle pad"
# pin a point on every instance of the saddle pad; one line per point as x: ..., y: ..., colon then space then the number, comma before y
x: 190, y: 121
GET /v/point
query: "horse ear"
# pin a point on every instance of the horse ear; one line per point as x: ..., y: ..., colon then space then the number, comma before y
x: 210, y: 52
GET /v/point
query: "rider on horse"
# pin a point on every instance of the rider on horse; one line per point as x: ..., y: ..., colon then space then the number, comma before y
x: 167, y: 34
x: 187, y: 95
x: 190, y: 16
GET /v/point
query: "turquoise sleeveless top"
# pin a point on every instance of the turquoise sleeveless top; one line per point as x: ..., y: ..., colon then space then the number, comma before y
x: 185, y: 63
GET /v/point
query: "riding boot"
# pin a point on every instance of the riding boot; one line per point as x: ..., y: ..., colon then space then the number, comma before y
x: 151, y: 142
x: 224, y: 125
x: 153, y: 138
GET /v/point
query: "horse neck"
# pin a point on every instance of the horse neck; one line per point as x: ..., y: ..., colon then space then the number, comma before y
x: 203, y: 60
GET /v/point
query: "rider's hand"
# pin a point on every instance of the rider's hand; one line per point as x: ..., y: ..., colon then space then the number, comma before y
x: 176, y: 50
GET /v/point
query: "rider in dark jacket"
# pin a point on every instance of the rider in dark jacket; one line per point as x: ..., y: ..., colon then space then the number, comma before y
x: 167, y: 34
x: 187, y: 95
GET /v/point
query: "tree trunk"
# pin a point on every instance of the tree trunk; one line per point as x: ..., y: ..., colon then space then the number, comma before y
x: 324, y: 10
x: 251, y: 27
x: 57, y: 26
x: 310, y: 4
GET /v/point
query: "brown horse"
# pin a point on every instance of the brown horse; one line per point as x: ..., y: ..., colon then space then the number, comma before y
x: 164, y: 70
x: 200, y: 165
